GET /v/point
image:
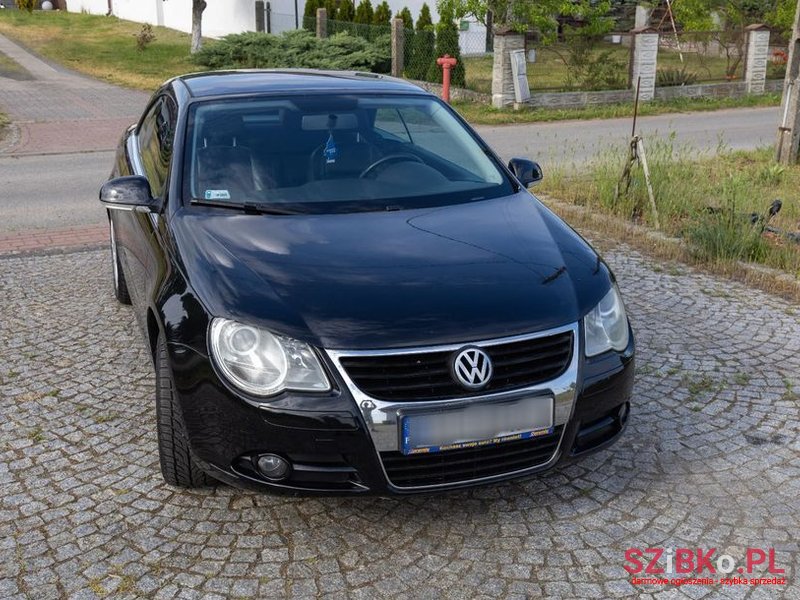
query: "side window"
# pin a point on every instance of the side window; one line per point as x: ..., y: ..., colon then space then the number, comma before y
x: 156, y: 136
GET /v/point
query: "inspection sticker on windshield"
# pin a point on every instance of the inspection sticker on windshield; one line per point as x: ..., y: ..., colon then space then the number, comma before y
x: 218, y: 195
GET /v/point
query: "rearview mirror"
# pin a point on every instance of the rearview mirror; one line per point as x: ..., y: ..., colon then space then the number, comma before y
x: 128, y: 193
x: 526, y: 171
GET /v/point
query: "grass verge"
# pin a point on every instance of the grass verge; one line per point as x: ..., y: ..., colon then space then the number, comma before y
x: 103, y: 47
x: 482, y: 114
x: 705, y: 203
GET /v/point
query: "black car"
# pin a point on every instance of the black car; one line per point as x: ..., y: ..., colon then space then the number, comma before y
x: 344, y: 290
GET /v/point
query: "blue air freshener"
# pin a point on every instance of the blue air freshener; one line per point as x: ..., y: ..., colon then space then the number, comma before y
x: 330, y: 151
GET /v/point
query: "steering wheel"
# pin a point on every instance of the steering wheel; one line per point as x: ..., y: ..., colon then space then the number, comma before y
x: 390, y: 158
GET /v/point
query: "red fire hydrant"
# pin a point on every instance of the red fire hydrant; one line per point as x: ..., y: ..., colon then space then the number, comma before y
x: 447, y: 63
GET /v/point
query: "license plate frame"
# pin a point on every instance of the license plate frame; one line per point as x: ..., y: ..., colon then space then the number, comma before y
x: 415, y: 426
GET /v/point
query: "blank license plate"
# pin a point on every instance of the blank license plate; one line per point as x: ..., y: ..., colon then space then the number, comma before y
x: 476, y: 425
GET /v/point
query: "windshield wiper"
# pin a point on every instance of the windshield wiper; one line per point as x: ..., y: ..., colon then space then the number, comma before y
x: 249, y: 208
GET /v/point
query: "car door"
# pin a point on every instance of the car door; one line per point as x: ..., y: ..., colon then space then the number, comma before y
x: 150, y: 148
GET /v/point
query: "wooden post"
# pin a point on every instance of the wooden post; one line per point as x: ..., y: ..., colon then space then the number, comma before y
x: 260, y: 16
x: 398, y: 46
x: 322, y: 23
x: 789, y: 127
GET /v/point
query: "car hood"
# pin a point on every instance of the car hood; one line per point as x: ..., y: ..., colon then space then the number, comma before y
x: 449, y: 274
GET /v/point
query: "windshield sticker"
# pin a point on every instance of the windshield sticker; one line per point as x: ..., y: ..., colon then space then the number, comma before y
x: 330, y: 151
x: 218, y: 195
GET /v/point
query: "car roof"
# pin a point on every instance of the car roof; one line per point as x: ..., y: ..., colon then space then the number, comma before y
x: 243, y: 82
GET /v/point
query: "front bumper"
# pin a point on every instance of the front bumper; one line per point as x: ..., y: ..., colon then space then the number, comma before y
x: 333, y: 448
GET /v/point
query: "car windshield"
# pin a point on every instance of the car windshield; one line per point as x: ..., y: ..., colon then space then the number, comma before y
x: 335, y: 153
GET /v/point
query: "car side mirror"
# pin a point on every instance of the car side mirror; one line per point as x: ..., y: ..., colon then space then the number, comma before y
x: 526, y: 171
x: 129, y: 193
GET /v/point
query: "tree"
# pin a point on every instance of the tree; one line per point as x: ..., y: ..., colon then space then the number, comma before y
x: 198, y: 6
x: 424, y: 21
x: 735, y: 16
x: 310, y: 14
x: 331, y: 8
x: 541, y: 15
x: 382, y: 15
x: 364, y: 13
x: 421, y: 49
x: 408, y: 20
x: 447, y: 43
x: 346, y: 12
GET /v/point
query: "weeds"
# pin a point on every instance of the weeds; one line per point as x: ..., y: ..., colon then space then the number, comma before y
x: 708, y: 202
x: 145, y: 37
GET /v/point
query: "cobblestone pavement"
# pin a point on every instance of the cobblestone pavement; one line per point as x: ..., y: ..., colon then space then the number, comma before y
x: 711, y: 460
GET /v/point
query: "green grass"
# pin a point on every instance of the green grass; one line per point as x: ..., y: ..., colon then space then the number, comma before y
x: 482, y: 114
x: 705, y: 201
x: 103, y: 47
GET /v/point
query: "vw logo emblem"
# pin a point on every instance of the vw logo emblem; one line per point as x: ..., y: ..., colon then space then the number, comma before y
x: 472, y: 368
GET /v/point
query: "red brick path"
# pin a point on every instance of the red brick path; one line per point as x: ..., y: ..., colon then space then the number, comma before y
x: 47, y: 239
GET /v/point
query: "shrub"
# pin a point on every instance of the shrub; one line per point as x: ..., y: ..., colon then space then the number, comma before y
x: 297, y: 49
x: 28, y: 5
x: 145, y: 37
x: 673, y: 76
x: 591, y: 69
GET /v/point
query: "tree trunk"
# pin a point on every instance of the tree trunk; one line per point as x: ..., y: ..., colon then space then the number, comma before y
x: 198, y: 6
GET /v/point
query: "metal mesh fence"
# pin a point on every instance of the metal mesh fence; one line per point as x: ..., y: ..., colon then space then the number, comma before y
x: 578, y: 64
x: 688, y: 57
x: 280, y: 22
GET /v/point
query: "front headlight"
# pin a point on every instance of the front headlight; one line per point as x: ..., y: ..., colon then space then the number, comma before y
x: 263, y: 363
x: 606, y: 326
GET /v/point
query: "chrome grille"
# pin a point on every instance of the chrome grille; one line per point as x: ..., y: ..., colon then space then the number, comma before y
x: 427, y: 376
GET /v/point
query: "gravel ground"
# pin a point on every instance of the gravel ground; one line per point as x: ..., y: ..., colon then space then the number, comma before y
x: 711, y: 459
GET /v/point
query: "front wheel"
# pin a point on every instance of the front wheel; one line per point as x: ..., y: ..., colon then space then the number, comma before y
x: 178, y: 466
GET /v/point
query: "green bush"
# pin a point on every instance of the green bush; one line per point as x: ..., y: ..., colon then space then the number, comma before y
x: 297, y: 49
x: 590, y: 69
x: 28, y: 5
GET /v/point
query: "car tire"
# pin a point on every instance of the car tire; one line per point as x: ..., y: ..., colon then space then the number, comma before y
x: 178, y: 466
x: 120, y: 285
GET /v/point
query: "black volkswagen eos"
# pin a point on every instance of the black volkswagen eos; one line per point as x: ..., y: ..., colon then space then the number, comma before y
x: 344, y: 290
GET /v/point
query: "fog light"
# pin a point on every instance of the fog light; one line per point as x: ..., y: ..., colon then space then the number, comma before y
x: 622, y: 415
x: 273, y: 466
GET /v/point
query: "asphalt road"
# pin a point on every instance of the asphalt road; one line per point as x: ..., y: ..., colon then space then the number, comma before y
x: 568, y: 143
x: 61, y: 190
x: 52, y: 191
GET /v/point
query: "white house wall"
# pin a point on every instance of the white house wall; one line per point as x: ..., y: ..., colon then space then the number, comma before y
x: 95, y: 7
x: 222, y: 17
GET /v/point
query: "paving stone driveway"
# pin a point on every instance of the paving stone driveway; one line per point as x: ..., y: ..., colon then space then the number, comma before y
x: 711, y: 460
